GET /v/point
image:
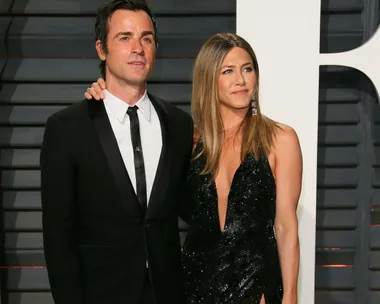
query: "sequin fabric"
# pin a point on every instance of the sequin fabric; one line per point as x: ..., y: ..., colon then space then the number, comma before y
x: 239, y: 264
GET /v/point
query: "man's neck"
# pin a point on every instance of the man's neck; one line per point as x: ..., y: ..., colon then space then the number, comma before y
x: 127, y: 93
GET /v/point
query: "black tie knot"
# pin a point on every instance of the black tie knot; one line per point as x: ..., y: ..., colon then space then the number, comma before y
x: 132, y: 110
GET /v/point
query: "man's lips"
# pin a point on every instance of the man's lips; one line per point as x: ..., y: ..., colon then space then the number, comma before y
x: 135, y: 62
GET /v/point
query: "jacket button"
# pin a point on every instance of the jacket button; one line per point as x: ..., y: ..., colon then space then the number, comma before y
x: 147, y: 225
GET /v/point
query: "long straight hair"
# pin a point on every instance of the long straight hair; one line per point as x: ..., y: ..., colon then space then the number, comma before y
x: 258, y: 131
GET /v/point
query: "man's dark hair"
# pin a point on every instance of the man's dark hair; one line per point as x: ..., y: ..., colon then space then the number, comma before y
x: 105, y: 13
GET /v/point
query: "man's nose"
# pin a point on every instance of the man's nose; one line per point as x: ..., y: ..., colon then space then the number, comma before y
x: 137, y: 47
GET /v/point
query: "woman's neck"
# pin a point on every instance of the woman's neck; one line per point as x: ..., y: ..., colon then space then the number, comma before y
x: 232, y: 121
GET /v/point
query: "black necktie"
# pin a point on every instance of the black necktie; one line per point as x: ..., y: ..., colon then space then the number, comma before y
x: 138, y: 157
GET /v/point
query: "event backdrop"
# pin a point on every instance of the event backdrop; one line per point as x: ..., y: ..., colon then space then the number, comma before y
x: 47, y: 60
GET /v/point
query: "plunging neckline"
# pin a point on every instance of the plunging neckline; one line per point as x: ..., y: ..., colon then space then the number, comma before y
x: 215, y: 187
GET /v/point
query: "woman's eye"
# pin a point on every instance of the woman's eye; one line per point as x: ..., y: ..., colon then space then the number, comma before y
x: 227, y: 71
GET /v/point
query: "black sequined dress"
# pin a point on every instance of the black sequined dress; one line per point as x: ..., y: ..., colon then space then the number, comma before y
x: 240, y: 264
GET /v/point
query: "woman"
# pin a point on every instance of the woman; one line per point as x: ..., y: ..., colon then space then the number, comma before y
x: 244, y: 184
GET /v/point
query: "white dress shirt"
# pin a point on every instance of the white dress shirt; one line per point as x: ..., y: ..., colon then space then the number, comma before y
x: 150, y: 132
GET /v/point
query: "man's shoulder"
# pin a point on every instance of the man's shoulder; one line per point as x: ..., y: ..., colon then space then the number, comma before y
x: 173, y: 111
x: 72, y: 113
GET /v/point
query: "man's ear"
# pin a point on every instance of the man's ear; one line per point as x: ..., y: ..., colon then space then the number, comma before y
x: 99, y: 50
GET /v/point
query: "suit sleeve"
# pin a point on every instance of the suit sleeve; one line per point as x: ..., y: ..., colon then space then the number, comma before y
x: 57, y: 194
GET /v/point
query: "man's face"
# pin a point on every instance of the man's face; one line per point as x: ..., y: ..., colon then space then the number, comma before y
x: 131, y: 47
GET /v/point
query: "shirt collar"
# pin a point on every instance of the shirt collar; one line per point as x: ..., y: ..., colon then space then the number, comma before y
x: 119, y: 108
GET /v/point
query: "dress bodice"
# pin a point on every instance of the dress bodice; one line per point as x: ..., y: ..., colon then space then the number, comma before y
x: 239, y: 264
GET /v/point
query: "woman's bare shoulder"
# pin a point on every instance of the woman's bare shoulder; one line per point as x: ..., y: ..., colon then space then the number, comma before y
x: 285, y: 137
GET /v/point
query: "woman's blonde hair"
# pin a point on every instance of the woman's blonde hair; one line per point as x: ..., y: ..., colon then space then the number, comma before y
x: 258, y: 131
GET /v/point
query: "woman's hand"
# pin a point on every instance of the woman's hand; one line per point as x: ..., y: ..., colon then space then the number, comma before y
x: 96, y: 90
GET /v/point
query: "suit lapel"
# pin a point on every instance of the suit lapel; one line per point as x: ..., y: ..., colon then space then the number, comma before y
x: 162, y: 177
x: 115, y: 161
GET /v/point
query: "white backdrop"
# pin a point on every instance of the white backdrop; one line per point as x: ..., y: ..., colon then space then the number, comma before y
x: 285, y: 36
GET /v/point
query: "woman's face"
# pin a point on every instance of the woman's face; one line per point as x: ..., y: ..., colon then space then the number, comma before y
x: 237, y: 80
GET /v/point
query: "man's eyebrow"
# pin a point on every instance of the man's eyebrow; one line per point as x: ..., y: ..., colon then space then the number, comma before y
x: 123, y: 34
x: 144, y: 33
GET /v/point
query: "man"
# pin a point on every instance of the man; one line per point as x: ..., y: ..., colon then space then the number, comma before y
x: 110, y: 174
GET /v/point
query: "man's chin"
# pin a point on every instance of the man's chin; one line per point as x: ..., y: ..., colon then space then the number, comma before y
x: 136, y: 81
x: 138, y: 78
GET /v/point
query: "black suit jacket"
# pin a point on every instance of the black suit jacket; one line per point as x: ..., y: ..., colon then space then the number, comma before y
x: 96, y: 238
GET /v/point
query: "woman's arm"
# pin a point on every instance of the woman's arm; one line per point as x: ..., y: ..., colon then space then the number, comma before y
x: 288, y: 175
